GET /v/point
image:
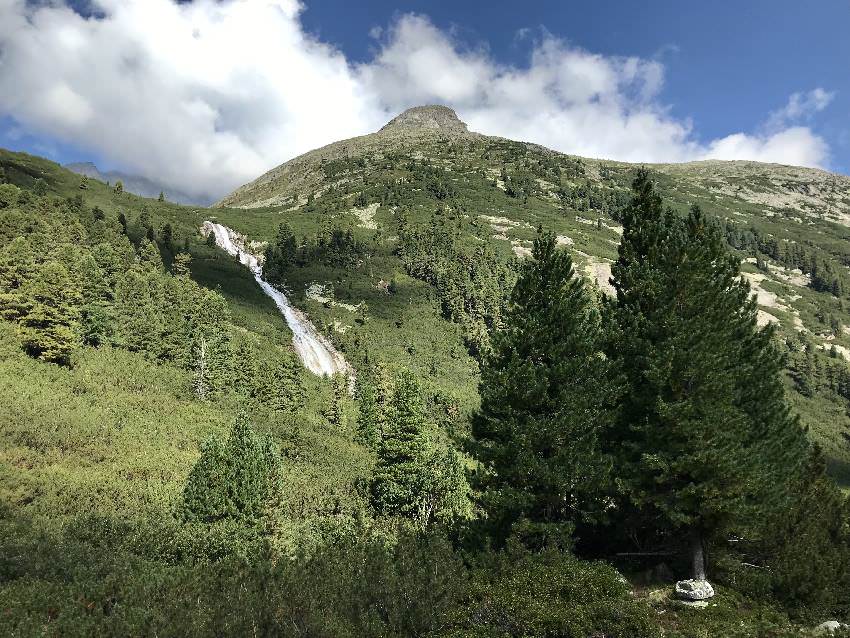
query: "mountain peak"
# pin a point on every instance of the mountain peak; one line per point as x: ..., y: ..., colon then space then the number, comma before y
x: 432, y: 117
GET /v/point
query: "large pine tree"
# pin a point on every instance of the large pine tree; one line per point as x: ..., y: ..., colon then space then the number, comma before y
x: 546, y: 394
x: 705, y: 439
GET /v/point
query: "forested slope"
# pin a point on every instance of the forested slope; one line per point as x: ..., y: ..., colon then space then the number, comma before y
x: 170, y: 468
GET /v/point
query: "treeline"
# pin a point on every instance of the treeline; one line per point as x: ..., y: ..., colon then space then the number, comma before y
x: 70, y: 277
x: 826, y: 275
x: 332, y: 245
x: 586, y: 197
x: 470, y: 283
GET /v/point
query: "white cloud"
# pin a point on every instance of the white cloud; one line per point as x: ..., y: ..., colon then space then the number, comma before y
x: 800, y: 106
x: 209, y: 94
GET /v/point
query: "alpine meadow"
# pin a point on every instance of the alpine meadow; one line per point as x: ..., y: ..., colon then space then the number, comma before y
x: 425, y: 382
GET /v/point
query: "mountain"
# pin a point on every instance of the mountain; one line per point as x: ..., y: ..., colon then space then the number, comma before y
x: 175, y: 463
x: 790, y: 225
x: 135, y: 184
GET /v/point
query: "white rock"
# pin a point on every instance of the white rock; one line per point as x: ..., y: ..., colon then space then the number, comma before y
x: 694, y: 589
x: 829, y: 627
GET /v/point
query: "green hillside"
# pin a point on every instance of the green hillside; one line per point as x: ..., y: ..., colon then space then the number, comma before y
x: 789, y: 225
x: 140, y: 364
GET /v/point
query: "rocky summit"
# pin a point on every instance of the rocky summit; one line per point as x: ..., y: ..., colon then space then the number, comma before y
x: 432, y: 118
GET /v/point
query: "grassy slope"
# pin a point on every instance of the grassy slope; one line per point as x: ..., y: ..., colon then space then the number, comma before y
x: 117, y: 435
x: 405, y: 329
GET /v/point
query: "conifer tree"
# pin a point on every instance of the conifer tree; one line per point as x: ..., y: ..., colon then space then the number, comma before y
x: 374, y: 396
x: 545, y: 396
x: 150, y: 257
x: 281, y: 255
x: 704, y: 437
x: 49, y: 324
x: 415, y: 477
x: 232, y: 480
x: 138, y: 307
x: 397, y: 477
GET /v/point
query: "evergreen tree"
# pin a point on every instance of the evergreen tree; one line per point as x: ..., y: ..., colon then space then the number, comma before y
x: 397, y: 476
x: 805, y: 548
x: 150, y: 257
x: 374, y: 398
x: 49, y: 323
x: 138, y: 307
x: 415, y: 477
x: 84, y: 182
x: 545, y: 397
x: 166, y: 236
x: 280, y: 255
x: 232, y: 480
x: 119, y: 187
x: 704, y: 438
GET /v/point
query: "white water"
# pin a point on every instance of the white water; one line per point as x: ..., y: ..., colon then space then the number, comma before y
x: 316, y: 352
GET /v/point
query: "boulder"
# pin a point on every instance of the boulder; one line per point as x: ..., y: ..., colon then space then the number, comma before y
x: 694, y: 590
x: 830, y: 627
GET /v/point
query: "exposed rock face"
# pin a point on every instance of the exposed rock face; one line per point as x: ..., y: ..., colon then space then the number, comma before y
x: 694, y: 590
x: 426, y: 118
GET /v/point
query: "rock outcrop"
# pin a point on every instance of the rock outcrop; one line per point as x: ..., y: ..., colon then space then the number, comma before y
x: 694, y: 590
x: 432, y: 117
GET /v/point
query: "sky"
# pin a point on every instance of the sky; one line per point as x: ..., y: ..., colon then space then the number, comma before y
x: 205, y: 95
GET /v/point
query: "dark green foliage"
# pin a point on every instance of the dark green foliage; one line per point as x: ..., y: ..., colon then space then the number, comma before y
x: 801, y: 553
x: 374, y: 396
x: 470, y: 284
x: 396, y: 484
x: 705, y: 439
x: 546, y: 403
x: 280, y: 255
x: 267, y: 382
x: 232, y: 480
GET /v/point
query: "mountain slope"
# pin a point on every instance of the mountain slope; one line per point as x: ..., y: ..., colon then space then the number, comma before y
x: 401, y: 255
x: 134, y: 184
x: 790, y: 225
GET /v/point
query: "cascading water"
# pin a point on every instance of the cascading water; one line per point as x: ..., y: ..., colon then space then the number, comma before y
x: 317, y: 354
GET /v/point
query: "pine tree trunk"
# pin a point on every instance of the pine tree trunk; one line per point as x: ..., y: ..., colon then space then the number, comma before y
x: 697, y: 555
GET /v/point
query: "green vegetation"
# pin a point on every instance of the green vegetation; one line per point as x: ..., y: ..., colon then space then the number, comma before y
x: 508, y: 450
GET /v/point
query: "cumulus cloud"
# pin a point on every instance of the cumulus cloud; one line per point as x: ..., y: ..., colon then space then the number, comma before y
x: 209, y: 94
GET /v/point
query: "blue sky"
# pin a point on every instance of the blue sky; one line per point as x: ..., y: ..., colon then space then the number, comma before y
x: 728, y: 63
x: 207, y: 95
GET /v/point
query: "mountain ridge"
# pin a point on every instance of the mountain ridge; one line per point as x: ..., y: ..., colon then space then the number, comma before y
x: 435, y: 121
x: 136, y: 184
